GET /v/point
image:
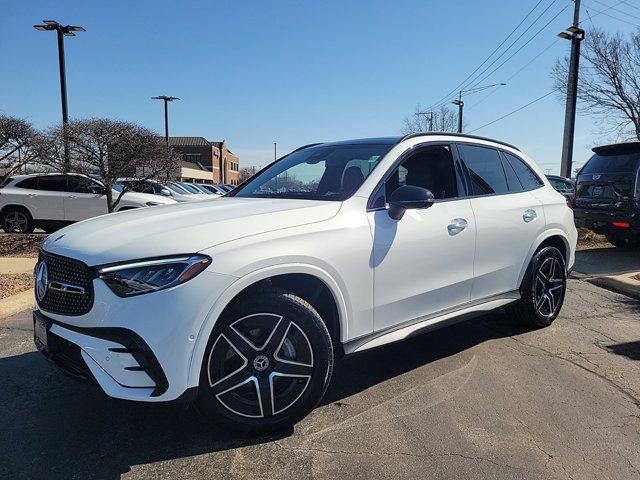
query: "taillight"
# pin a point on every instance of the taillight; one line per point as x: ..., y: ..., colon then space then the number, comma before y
x: 621, y: 224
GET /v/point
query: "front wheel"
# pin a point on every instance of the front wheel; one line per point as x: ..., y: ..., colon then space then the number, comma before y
x: 543, y: 288
x: 624, y: 239
x: 267, y: 364
x: 17, y: 220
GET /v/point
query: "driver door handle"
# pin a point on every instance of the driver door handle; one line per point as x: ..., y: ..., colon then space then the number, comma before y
x: 72, y: 196
x: 457, y: 225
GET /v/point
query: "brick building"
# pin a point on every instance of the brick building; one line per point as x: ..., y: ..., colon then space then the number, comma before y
x: 205, y: 161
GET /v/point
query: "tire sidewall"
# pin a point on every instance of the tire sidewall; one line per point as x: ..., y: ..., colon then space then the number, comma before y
x: 528, y: 291
x: 294, y: 308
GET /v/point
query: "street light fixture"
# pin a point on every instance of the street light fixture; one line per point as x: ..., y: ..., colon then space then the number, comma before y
x: 166, y: 99
x: 460, y: 103
x: 62, y: 31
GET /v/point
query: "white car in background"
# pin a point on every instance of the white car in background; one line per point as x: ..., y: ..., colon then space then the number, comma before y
x: 242, y: 303
x: 154, y: 187
x: 51, y: 201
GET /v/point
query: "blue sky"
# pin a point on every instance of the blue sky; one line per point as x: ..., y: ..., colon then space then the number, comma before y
x: 293, y: 72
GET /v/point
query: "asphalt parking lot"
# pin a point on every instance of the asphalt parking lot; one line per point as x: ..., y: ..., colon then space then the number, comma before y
x: 483, y: 399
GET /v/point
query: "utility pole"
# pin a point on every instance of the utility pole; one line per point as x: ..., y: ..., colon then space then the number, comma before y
x: 166, y: 101
x: 460, y: 105
x: 62, y: 31
x: 576, y: 35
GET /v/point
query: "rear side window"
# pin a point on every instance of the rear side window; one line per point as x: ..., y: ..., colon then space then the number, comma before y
x: 527, y: 177
x: 485, y: 170
x: 612, y: 164
x: 31, y: 183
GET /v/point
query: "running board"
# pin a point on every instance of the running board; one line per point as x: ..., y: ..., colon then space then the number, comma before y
x: 430, y: 322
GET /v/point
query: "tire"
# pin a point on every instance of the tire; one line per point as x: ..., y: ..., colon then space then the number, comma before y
x: 543, y: 289
x: 17, y: 220
x: 623, y: 239
x: 268, y: 363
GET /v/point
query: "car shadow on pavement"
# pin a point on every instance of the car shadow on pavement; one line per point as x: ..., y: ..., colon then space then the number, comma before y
x: 55, y: 427
x: 631, y: 350
x: 607, y: 261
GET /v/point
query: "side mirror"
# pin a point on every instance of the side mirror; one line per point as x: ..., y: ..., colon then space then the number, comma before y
x: 409, y: 197
x: 165, y: 192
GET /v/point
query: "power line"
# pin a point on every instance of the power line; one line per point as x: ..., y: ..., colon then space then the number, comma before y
x: 609, y: 7
x: 446, y: 97
x: 475, y: 81
x: 512, y: 112
x: 629, y: 5
x: 604, y: 12
x: 524, y: 45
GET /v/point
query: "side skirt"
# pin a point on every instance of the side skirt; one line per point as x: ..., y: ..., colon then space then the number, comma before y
x: 431, y: 322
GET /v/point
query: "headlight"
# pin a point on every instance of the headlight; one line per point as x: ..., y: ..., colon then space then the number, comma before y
x: 145, y: 276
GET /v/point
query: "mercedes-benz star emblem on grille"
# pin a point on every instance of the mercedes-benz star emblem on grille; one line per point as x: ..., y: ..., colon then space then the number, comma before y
x: 42, y: 280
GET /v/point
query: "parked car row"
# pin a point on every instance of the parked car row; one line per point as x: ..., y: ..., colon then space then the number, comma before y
x: 51, y: 201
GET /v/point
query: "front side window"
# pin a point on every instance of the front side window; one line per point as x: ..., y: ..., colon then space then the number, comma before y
x: 323, y: 172
x: 78, y: 184
x: 431, y: 168
x: 485, y: 170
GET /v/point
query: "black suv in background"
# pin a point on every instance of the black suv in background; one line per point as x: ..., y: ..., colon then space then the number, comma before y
x: 607, y: 198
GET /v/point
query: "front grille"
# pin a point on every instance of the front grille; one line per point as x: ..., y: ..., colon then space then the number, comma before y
x: 72, y: 272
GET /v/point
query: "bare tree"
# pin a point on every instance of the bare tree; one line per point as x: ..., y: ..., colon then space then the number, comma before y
x: 112, y: 149
x: 609, y: 82
x: 20, y: 144
x: 247, y: 172
x: 444, y: 120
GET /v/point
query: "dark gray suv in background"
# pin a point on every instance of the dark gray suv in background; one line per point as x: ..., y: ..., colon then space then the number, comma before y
x: 607, y: 198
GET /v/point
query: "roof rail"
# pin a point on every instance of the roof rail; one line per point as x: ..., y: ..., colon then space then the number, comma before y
x: 461, y: 135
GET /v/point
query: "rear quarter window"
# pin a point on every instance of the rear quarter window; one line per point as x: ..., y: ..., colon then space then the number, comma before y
x: 31, y: 182
x: 528, y: 178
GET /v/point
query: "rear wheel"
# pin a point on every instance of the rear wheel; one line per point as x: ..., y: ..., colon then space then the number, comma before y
x: 542, y: 291
x: 623, y: 239
x: 267, y: 365
x: 17, y: 220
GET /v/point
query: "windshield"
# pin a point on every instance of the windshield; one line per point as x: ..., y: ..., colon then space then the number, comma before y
x: 625, y: 163
x: 324, y: 172
x: 189, y: 188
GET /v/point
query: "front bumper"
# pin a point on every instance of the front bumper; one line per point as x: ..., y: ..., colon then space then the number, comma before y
x: 137, y: 348
x: 602, y: 220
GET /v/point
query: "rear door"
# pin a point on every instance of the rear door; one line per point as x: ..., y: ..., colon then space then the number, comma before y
x: 84, y: 198
x: 508, y: 218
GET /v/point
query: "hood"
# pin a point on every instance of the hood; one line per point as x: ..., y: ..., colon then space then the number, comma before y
x: 181, y: 227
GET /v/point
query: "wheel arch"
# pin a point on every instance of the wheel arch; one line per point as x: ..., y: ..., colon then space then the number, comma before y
x: 555, y: 238
x: 15, y: 205
x: 300, y: 278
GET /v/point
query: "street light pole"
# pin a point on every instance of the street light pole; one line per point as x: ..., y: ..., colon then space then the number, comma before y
x: 61, y: 32
x: 166, y: 99
x: 460, y: 103
x: 576, y: 36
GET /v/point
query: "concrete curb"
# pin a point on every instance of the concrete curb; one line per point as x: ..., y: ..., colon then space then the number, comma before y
x: 17, y: 303
x: 17, y: 264
x: 625, y: 284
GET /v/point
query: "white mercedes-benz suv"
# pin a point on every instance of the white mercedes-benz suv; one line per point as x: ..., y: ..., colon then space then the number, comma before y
x: 241, y: 304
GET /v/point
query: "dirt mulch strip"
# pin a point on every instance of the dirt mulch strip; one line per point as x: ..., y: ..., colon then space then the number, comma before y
x: 588, y: 240
x: 19, y: 245
x: 12, y: 283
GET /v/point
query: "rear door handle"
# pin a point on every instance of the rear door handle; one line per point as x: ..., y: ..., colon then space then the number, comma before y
x: 529, y: 215
x: 33, y: 194
x: 457, y: 225
x: 72, y: 196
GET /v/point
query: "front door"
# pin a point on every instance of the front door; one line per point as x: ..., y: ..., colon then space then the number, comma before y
x: 85, y: 198
x: 423, y: 263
